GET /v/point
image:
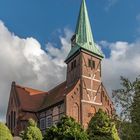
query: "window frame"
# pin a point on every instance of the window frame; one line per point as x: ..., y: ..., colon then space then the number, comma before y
x: 42, y: 127
x: 49, y: 121
x: 91, y: 63
x: 73, y: 64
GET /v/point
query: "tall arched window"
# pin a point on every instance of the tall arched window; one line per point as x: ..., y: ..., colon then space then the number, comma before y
x: 107, y: 111
x: 11, y: 120
x: 14, y: 119
x: 92, y: 111
x: 75, y: 110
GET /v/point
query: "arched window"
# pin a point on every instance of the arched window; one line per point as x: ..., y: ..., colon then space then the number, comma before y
x: 49, y: 121
x: 11, y: 120
x: 75, y: 110
x: 107, y: 111
x: 9, y: 126
x: 92, y: 111
x: 14, y: 117
x: 42, y: 123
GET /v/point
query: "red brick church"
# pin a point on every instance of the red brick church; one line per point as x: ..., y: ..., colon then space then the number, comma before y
x: 80, y: 96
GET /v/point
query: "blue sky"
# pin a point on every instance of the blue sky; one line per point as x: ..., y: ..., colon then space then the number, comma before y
x: 28, y: 27
x: 111, y: 20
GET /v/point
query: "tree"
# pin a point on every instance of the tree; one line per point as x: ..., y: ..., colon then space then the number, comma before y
x: 123, y: 97
x: 66, y: 129
x: 101, y: 127
x: 5, y: 132
x: 135, y: 111
x: 32, y: 132
x: 126, y: 130
x: 128, y: 99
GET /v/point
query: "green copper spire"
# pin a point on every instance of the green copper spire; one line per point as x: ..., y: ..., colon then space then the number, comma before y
x: 83, y: 38
x: 83, y: 29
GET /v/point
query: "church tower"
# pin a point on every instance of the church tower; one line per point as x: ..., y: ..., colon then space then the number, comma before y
x: 84, y: 56
x: 84, y: 65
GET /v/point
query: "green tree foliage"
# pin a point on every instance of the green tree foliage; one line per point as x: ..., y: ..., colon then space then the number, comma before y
x: 123, y: 98
x: 32, y: 132
x: 101, y: 127
x: 128, y: 99
x: 66, y: 129
x: 126, y: 130
x: 135, y: 111
x: 5, y: 132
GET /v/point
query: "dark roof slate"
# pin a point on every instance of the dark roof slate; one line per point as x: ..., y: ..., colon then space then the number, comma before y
x: 54, y: 96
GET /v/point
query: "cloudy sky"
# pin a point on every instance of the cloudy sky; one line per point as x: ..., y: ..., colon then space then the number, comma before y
x: 35, y: 40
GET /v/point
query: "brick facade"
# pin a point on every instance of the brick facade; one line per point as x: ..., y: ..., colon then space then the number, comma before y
x: 89, y: 94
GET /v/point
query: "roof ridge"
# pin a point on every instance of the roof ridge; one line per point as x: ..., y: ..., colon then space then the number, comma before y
x: 28, y: 88
x: 56, y: 87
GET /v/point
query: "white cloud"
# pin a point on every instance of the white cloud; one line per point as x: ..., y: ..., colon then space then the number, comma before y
x: 23, y: 61
x: 124, y: 61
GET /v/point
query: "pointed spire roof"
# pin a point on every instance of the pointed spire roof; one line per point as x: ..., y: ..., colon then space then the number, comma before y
x: 83, y: 34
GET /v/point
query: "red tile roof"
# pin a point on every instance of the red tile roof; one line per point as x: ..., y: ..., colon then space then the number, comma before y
x: 35, y: 100
x: 30, y: 99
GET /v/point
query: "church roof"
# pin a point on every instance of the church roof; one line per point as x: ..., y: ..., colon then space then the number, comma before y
x: 29, y: 99
x: 83, y: 38
x: 54, y: 96
x: 33, y: 100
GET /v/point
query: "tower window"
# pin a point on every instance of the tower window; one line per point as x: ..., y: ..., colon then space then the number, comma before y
x: 91, y: 63
x: 73, y: 64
